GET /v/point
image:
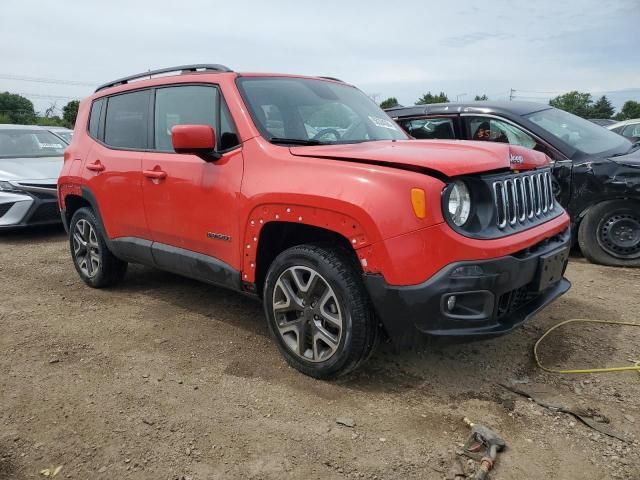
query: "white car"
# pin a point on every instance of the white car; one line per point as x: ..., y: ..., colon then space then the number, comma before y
x: 64, y: 133
x: 31, y: 158
x: 627, y: 128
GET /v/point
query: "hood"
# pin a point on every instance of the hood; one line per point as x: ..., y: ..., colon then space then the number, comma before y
x: 449, y: 158
x: 630, y: 159
x: 30, y: 168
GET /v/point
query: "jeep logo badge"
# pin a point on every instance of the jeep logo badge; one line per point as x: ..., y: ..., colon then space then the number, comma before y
x: 516, y: 159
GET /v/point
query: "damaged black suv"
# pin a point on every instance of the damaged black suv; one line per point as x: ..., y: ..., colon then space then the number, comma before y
x: 597, y: 171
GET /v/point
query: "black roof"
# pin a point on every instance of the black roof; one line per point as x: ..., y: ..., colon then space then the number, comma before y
x: 504, y: 106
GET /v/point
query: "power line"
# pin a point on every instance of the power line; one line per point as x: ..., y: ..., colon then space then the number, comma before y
x: 24, y: 78
x: 39, y: 95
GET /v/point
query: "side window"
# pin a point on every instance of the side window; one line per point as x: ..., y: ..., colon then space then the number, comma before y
x: 632, y: 130
x: 94, y: 117
x: 189, y: 104
x: 127, y: 120
x: 492, y: 130
x: 429, y: 128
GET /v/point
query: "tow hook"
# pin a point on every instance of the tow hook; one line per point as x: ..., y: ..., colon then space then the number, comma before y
x: 483, y: 445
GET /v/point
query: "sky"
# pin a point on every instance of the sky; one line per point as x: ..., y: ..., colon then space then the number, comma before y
x: 400, y: 49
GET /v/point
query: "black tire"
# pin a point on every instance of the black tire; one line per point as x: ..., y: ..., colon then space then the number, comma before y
x: 338, y: 269
x: 599, y: 234
x: 108, y: 270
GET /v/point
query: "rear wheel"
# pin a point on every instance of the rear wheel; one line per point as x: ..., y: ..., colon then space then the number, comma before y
x: 610, y: 234
x: 318, y: 310
x: 94, y: 262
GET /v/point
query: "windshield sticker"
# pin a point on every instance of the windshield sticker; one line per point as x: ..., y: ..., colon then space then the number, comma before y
x: 382, y: 123
x: 50, y: 145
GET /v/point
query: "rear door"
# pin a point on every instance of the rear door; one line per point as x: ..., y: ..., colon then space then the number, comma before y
x: 114, y: 163
x: 193, y: 209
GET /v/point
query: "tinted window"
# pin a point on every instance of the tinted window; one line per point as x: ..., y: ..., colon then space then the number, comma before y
x: 194, y: 105
x: 429, y: 128
x: 94, y: 117
x: 127, y: 120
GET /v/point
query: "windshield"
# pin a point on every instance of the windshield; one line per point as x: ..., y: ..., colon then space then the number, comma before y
x: 581, y: 134
x: 309, y: 111
x: 64, y: 135
x: 30, y: 143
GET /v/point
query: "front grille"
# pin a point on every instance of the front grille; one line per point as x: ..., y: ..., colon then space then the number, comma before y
x: 50, y: 186
x: 44, y: 195
x: 523, y: 199
x: 47, y: 212
x: 5, y: 207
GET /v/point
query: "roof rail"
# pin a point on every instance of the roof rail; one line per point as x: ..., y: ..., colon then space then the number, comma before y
x: 332, y: 78
x: 182, y: 68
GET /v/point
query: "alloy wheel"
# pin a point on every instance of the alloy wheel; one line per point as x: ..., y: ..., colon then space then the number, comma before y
x: 307, y: 313
x: 86, y: 249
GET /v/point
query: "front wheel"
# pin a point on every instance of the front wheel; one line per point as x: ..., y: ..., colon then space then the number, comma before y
x: 318, y: 310
x: 610, y: 234
x: 94, y: 262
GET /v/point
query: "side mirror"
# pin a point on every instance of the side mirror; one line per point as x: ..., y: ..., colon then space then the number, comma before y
x: 199, y: 140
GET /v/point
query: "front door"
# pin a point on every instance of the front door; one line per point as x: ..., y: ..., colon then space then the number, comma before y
x: 192, y: 204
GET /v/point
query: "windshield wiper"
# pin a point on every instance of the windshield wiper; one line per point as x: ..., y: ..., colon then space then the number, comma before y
x: 295, y: 141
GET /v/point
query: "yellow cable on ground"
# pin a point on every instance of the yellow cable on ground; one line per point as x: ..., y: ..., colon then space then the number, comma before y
x: 635, y: 367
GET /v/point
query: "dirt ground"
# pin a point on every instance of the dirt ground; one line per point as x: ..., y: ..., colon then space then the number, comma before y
x: 167, y: 378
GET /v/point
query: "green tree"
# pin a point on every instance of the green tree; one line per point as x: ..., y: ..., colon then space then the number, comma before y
x: 481, y: 97
x: 578, y: 103
x: 430, y: 98
x: 70, y: 112
x: 630, y: 109
x: 50, y: 121
x: 17, y: 108
x: 602, y: 108
x: 389, y: 103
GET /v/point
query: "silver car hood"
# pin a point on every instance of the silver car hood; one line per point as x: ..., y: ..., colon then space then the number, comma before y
x: 30, y: 168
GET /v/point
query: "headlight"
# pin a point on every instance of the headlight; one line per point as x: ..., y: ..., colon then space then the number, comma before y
x: 7, y: 187
x: 459, y: 203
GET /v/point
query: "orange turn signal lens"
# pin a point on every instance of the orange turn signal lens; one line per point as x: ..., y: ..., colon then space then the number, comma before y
x: 419, y: 202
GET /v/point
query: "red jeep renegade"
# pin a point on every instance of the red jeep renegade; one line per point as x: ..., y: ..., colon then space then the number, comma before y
x: 302, y: 192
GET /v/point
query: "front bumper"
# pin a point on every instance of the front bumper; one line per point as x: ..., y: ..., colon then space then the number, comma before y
x: 33, y: 206
x: 491, y: 296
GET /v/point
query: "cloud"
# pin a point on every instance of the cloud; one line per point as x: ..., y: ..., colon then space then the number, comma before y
x: 400, y: 49
x: 470, y: 38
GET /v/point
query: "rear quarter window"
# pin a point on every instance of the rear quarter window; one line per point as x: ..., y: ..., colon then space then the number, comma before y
x: 94, y: 117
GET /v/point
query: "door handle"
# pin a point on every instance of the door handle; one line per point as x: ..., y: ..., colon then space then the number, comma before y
x: 95, y: 166
x: 155, y: 174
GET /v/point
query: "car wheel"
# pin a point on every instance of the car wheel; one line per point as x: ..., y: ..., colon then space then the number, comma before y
x: 94, y: 262
x: 318, y: 310
x: 609, y: 234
